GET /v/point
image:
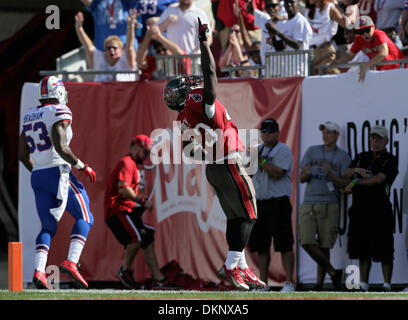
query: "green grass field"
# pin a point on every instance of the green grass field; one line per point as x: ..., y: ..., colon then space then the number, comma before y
x: 193, y: 295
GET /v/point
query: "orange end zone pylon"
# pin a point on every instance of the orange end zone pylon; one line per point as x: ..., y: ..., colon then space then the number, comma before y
x: 15, y: 266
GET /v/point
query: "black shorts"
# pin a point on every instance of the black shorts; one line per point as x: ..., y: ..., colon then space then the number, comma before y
x: 370, y: 234
x: 274, y: 220
x: 129, y: 228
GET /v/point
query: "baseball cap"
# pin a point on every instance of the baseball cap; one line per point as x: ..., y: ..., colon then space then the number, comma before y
x: 329, y: 125
x: 143, y: 141
x: 380, y: 130
x: 365, y: 21
x: 269, y: 125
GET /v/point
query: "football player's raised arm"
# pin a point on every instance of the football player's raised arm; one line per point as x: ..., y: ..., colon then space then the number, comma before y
x: 24, y: 153
x: 59, y: 141
x: 207, y: 65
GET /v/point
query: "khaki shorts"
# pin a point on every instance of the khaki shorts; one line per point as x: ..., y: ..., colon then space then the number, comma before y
x: 318, y: 224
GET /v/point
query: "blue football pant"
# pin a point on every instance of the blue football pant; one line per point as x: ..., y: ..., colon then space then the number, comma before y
x: 45, y: 184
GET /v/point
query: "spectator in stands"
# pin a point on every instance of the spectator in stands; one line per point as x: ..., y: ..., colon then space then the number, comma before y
x: 226, y: 14
x: 234, y: 55
x: 112, y: 58
x: 252, y: 48
x: 370, y: 235
x: 273, y: 188
x: 179, y: 22
x: 149, y: 12
x: 109, y: 20
x: 388, y: 18
x: 291, y: 35
x: 274, y: 11
x: 322, y: 167
x: 324, y: 19
x: 376, y: 45
x: 162, y: 46
x: 123, y: 217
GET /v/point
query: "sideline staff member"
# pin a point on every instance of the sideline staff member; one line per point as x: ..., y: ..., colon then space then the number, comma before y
x: 370, y: 235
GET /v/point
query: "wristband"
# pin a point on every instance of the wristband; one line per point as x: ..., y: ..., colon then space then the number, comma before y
x: 142, y: 201
x: 354, y: 182
x: 79, y: 165
x: 263, y: 162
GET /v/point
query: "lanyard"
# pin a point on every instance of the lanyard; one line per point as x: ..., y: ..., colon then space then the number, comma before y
x: 111, y: 9
x: 269, y: 150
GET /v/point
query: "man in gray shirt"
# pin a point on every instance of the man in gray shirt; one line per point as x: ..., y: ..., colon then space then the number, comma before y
x: 273, y: 186
x: 322, y: 167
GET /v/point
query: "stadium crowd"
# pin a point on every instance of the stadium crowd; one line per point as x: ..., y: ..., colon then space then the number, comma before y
x: 241, y: 34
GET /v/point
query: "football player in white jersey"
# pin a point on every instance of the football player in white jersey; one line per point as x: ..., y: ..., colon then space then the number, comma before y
x: 44, y: 150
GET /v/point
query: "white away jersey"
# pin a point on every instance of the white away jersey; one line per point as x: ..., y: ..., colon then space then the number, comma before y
x: 37, y: 128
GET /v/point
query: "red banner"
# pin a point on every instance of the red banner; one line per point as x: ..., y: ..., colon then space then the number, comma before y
x: 188, y: 220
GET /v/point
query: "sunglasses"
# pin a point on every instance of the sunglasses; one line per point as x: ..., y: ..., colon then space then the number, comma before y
x: 112, y: 47
x: 235, y: 30
x: 272, y: 5
x: 362, y: 31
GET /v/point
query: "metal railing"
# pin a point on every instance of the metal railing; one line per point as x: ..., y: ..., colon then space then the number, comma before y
x: 169, y: 66
x: 323, y: 69
x: 232, y: 70
x: 297, y: 63
x: 64, y: 74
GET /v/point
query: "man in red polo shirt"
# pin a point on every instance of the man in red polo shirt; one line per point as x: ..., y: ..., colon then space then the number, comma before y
x: 124, y: 218
x: 375, y: 44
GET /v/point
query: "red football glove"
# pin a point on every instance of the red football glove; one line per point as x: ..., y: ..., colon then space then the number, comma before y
x: 202, y: 31
x: 88, y: 171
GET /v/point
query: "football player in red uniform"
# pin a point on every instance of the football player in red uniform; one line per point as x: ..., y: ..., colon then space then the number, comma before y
x: 212, y: 136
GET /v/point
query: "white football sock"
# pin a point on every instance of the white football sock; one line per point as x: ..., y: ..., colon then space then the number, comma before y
x: 242, y: 262
x: 233, y: 258
x: 40, y: 260
x: 387, y: 285
x: 75, y: 250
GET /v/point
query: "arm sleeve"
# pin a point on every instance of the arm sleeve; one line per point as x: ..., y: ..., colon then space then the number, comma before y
x: 283, y: 159
x: 390, y: 169
x: 379, y: 39
x: 355, y: 48
x: 61, y: 113
x: 124, y: 172
x: 260, y: 18
x: 164, y: 16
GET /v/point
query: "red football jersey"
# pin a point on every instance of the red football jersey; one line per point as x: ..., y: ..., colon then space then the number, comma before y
x: 126, y: 170
x: 366, y: 8
x: 219, y: 134
x: 371, y: 48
